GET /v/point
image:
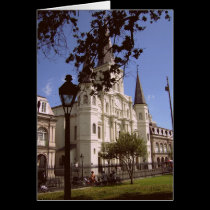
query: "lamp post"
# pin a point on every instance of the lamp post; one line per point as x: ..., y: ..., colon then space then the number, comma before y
x: 82, y: 158
x: 67, y: 92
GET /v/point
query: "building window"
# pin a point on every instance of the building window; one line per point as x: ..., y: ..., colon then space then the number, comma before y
x: 127, y: 113
x: 161, y: 148
x: 169, y: 147
x: 94, y: 151
x: 165, y: 148
x: 156, y: 147
x: 75, y: 132
x: 99, y: 132
x: 94, y: 128
x: 42, y: 134
x: 42, y: 137
x: 44, y: 106
x: 94, y: 100
x: 140, y: 116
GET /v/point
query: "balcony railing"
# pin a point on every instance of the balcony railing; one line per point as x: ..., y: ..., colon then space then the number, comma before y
x: 41, y: 143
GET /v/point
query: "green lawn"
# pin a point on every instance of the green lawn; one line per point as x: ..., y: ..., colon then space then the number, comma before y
x: 151, y: 188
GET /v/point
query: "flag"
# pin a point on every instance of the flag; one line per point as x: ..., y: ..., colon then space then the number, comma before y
x: 166, y: 88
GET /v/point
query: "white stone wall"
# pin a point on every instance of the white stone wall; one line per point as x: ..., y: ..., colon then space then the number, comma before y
x: 143, y: 126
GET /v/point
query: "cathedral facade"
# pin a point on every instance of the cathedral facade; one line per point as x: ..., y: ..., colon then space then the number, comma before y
x: 97, y: 119
x: 100, y: 118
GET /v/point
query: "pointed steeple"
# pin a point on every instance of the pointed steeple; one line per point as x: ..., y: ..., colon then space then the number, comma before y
x: 139, y: 95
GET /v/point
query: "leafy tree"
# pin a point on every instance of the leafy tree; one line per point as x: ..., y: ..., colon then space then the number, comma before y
x: 126, y: 148
x: 119, y: 25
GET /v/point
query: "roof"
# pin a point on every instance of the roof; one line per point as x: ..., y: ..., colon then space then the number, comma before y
x: 139, y: 95
x: 41, y: 96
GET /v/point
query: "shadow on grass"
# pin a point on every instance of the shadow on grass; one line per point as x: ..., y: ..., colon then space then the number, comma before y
x: 139, y: 196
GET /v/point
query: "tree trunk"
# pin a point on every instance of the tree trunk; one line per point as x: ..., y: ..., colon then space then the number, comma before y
x: 132, y: 167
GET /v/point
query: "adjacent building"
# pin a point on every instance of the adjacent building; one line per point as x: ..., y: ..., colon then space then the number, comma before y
x: 46, y: 145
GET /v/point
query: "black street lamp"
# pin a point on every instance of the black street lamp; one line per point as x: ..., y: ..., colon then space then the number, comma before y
x: 67, y: 92
x: 82, y: 158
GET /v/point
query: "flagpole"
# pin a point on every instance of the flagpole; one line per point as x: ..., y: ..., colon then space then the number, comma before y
x: 168, y: 89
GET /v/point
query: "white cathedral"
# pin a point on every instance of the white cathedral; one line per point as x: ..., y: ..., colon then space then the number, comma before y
x: 97, y: 119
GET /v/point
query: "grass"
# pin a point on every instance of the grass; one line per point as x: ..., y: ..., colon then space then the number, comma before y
x: 151, y: 188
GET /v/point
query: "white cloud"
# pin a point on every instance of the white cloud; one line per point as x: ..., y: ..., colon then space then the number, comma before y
x: 149, y: 97
x: 48, y: 88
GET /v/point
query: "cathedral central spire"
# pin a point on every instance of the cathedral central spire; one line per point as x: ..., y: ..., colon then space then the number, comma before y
x: 139, y: 95
x: 107, y: 51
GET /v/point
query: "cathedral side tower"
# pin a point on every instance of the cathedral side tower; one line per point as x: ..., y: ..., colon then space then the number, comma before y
x: 142, y: 114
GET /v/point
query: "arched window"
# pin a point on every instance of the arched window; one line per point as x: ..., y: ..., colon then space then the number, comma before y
x: 94, y: 100
x: 165, y: 148
x: 42, y: 134
x: 156, y: 147
x: 85, y: 99
x: 161, y: 148
x: 94, y: 128
x: 99, y: 132
x: 158, y: 161
x: 42, y: 162
x: 169, y: 147
x: 140, y: 116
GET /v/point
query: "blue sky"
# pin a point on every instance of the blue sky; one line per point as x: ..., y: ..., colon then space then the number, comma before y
x: 155, y: 63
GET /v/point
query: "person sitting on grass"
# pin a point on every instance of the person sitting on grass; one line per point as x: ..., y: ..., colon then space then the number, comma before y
x: 92, y: 177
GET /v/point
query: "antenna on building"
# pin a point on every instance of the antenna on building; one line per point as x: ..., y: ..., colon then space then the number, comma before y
x: 168, y: 90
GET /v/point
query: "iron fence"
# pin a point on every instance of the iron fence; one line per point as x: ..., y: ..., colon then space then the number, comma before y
x: 55, y: 176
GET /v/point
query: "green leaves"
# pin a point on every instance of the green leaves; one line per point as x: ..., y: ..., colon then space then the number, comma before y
x: 126, y: 146
x: 119, y: 26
